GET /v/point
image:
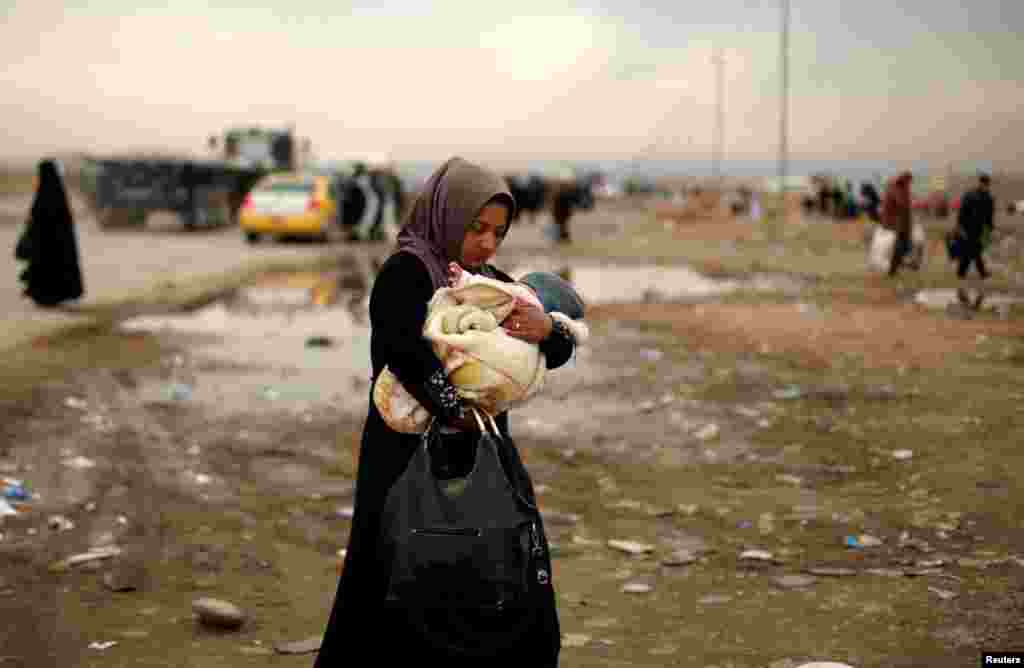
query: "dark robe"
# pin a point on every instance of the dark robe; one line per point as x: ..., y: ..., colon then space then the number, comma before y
x: 363, y: 628
x: 49, y: 245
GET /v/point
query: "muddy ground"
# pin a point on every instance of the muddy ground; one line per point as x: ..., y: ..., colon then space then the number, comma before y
x: 814, y: 463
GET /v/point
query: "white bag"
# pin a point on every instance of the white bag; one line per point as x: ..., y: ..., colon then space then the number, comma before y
x: 918, y: 245
x: 883, y: 242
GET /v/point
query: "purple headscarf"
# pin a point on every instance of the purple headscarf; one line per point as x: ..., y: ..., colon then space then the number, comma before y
x: 451, y: 199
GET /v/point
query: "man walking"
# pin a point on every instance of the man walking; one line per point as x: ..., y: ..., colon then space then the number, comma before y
x: 896, y: 216
x: 974, y: 227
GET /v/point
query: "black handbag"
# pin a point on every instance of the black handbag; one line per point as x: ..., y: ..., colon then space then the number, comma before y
x: 468, y: 563
x: 954, y: 245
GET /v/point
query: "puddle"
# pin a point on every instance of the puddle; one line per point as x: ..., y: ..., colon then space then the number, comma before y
x: 300, y: 341
x: 941, y: 299
x: 603, y: 284
x: 296, y: 341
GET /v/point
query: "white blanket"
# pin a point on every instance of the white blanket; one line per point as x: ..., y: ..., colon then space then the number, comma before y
x: 487, y: 366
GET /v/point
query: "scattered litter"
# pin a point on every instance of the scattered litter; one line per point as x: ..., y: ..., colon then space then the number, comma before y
x: 347, y: 512
x: 271, y: 394
x: 75, y: 402
x: 788, y: 479
x: 688, y: 509
x: 203, y: 479
x: 637, y: 588
x: 95, y: 554
x: 102, y: 645
x: 122, y: 520
x: 863, y: 540
x: 14, y: 490
x: 744, y: 524
x: 60, y: 523
x: 757, y: 555
x: 747, y: 412
x: 651, y: 354
x: 790, y: 392
x: 647, y: 407
x: 902, y: 455
x: 79, y: 462
x: 307, y: 646
x: 708, y: 433
x: 6, y: 509
x: 179, y: 391
x: 630, y: 547
x: 944, y: 594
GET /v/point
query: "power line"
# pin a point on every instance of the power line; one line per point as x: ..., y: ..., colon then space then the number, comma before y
x: 719, y: 142
x: 784, y: 105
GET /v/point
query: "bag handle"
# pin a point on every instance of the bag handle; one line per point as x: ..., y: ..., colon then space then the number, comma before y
x: 490, y: 421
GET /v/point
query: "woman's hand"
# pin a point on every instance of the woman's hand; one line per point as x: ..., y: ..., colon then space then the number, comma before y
x: 528, y: 322
x: 454, y: 274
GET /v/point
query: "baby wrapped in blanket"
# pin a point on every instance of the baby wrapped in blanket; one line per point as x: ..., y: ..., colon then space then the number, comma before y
x: 488, y: 367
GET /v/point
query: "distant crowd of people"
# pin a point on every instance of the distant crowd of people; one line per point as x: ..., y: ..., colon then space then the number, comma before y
x: 564, y: 197
x: 371, y: 203
x: 843, y: 201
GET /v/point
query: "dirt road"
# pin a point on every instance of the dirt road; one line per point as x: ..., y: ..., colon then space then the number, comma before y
x: 788, y: 481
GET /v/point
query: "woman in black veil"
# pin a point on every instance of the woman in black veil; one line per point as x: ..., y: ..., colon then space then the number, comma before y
x: 49, y: 245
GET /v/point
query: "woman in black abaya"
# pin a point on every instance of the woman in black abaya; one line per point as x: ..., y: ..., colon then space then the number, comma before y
x: 462, y: 215
x: 49, y: 245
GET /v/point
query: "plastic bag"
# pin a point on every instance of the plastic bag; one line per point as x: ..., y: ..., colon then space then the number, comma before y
x: 883, y: 242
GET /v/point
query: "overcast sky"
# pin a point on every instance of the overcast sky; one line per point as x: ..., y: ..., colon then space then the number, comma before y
x: 871, y: 79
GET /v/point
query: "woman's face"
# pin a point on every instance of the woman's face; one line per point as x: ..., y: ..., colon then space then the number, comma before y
x: 484, y: 234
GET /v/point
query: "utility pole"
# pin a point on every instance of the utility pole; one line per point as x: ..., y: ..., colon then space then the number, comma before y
x: 784, y: 110
x: 719, y: 62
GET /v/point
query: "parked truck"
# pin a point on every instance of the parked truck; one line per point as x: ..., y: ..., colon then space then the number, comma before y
x: 123, y: 190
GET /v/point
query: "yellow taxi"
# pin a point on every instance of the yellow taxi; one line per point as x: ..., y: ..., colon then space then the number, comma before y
x: 292, y: 205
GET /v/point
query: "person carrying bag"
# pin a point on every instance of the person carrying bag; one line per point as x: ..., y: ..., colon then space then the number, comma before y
x: 480, y: 596
x: 467, y: 556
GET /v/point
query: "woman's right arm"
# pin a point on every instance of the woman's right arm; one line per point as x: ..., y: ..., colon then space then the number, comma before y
x: 398, y: 311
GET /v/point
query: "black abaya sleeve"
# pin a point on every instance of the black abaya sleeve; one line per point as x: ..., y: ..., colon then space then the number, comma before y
x: 398, y: 310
